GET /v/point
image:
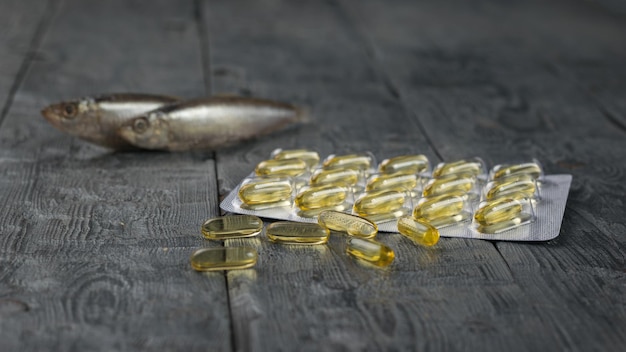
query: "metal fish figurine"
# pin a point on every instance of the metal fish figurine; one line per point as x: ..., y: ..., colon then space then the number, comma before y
x: 209, y: 123
x: 97, y: 119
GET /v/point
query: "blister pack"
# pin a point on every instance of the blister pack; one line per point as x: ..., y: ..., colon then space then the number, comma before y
x: 462, y: 198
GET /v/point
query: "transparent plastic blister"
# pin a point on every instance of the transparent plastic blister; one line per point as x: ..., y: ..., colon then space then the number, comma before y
x: 402, y: 187
x: 531, y: 168
x: 443, y: 210
x: 383, y: 205
x: 312, y: 200
x: 502, y: 214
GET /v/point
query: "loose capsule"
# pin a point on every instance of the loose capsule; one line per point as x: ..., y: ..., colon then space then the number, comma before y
x: 230, y: 258
x: 379, y: 202
x: 371, y: 251
x: 506, y: 225
x: 297, y: 233
x: 337, y: 176
x: 449, y: 183
x: 419, y: 230
x: 531, y: 169
x: 343, y: 222
x: 473, y: 167
x: 397, y: 182
x: 265, y: 190
x: 321, y: 197
x: 498, y: 210
x: 406, y: 164
x: 350, y: 161
x: 440, y: 206
x: 310, y: 157
x: 286, y: 167
x: 525, y: 185
x: 234, y: 226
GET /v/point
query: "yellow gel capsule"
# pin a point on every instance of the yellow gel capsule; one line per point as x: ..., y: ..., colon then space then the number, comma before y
x: 497, y: 210
x: 420, y: 231
x: 234, y: 226
x: 265, y: 190
x: 528, y: 187
x: 379, y: 202
x: 310, y: 157
x: 440, y: 206
x: 371, y: 251
x: 451, y: 220
x: 406, y: 164
x: 449, y: 183
x: 397, y: 182
x: 351, y: 224
x: 349, y: 161
x: 337, y: 176
x: 212, y: 259
x: 505, y: 225
x: 531, y: 169
x: 472, y: 167
x: 297, y: 233
x: 380, y: 218
x: 321, y: 197
x: 286, y: 167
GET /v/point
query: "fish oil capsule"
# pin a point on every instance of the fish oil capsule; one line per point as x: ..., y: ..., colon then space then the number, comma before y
x: 343, y: 222
x: 385, y: 217
x: 449, y: 183
x: 440, y: 206
x: 406, y: 164
x: 310, y: 157
x: 234, y: 226
x: 397, y: 182
x: 371, y: 251
x: 473, y: 167
x: 230, y: 258
x: 506, y: 225
x: 419, y: 230
x: 337, y: 176
x: 297, y: 233
x: 286, y: 167
x: 379, y: 202
x: 532, y: 169
x: 323, y: 196
x: 525, y: 185
x: 258, y: 191
x: 498, y: 210
x: 350, y: 161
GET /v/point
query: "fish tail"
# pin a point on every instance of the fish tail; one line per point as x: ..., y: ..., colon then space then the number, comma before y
x: 303, y: 115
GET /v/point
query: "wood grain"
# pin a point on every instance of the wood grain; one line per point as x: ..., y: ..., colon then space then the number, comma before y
x: 95, y: 245
x: 458, y: 295
x: 23, y: 24
x: 520, y: 102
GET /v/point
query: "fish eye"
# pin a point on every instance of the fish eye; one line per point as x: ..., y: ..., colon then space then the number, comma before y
x: 69, y: 110
x: 140, y: 125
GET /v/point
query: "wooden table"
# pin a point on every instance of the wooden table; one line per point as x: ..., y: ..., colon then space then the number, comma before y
x: 95, y: 245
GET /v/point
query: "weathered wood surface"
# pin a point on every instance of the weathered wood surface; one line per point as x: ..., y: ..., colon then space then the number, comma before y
x: 478, y: 81
x: 23, y: 23
x: 94, y: 245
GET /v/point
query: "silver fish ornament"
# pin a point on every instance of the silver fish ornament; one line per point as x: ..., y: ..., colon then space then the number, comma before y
x: 97, y: 119
x: 208, y: 124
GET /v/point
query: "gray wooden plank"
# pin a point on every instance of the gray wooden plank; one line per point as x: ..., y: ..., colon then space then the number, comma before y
x: 23, y: 23
x: 303, y: 68
x: 95, y: 245
x: 475, y: 91
x: 458, y: 295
